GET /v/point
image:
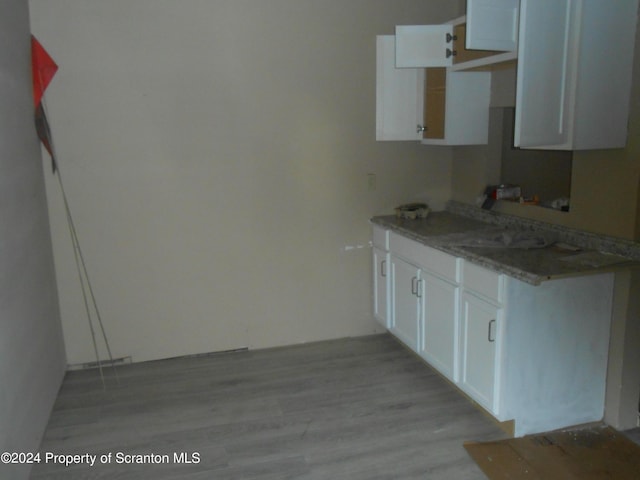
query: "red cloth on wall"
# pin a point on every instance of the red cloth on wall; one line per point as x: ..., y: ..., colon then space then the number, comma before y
x: 43, y: 69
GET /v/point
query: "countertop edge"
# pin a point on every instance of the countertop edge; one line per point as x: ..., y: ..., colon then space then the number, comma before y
x: 388, y: 222
x: 461, y: 253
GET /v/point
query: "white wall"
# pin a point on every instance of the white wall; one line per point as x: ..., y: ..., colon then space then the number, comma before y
x: 215, y: 155
x: 32, y: 357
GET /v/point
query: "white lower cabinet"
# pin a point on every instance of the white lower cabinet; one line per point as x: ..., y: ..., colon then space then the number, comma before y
x: 480, y: 347
x: 481, y: 338
x: 536, y: 355
x: 439, y: 331
x: 381, y: 277
x: 405, y: 317
x: 381, y: 286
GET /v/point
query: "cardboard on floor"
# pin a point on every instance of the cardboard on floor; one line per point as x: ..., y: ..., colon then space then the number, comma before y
x: 593, y: 453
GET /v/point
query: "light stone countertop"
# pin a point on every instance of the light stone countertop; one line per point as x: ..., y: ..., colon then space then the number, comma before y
x: 475, y: 235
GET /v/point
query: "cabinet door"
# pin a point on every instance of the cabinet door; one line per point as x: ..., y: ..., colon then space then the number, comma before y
x: 605, y: 73
x: 405, y: 280
x: 440, y: 300
x: 381, y: 286
x: 461, y: 110
x: 545, y: 70
x: 466, y: 109
x: 492, y: 25
x: 399, y: 95
x: 571, y: 54
x: 423, y: 46
x: 480, y: 337
x: 456, y: 107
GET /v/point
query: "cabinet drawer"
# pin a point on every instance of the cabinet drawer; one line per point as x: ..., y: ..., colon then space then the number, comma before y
x: 483, y: 281
x: 425, y: 257
x: 380, y: 237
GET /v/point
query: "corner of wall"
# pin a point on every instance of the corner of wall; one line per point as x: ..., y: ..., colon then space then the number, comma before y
x: 32, y: 357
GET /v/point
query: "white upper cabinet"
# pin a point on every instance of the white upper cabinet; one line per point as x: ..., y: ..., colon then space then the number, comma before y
x: 544, y: 61
x: 399, y: 95
x: 424, y: 46
x: 434, y: 105
x: 456, y: 107
x: 575, y: 60
x: 492, y: 25
x: 573, y: 83
x: 430, y: 46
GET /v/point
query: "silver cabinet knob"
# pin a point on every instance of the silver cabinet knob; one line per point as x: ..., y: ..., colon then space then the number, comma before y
x: 421, y: 129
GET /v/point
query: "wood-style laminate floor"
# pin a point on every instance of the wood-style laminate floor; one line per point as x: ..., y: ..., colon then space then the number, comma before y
x: 361, y: 408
